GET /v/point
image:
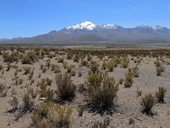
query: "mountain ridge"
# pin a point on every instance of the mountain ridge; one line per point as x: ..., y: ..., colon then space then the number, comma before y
x: 88, y: 32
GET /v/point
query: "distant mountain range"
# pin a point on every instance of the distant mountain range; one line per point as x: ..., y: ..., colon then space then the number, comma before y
x: 88, y: 32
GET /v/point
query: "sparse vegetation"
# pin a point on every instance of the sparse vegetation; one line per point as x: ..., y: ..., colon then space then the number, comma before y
x: 74, y: 87
x: 14, y: 103
x: 139, y: 92
x: 66, y: 90
x: 103, y: 124
x: 101, y: 93
x: 56, y: 115
x: 27, y: 102
x: 2, y: 90
x: 160, y: 94
x: 147, y: 103
x: 128, y: 79
x: 110, y: 65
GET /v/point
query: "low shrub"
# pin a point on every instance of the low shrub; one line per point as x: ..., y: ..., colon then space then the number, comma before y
x: 121, y: 81
x: 103, y: 124
x: 27, y: 70
x: 160, y: 94
x: 2, y: 90
x: 128, y: 79
x: 139, y: 92
x: 110, y: 65
x: 66, y: 90
x: 27, y: 102
x: 56, y: 116
x: 94, y: 66
x: 147, y: 103
x: 45, y: 92
x: 101, y: 93
x: 14, y: 103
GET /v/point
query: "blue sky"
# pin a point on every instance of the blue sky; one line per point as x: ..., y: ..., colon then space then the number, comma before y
x: 32, y: 17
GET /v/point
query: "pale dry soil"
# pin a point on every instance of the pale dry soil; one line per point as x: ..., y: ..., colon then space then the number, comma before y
x: 128, y: 104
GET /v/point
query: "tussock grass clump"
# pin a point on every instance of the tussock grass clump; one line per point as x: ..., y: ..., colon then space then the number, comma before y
x: 79, y: 74
x: 128, y: 79
x: 49, y: 81
x: 135, y: 71
x: 69, y: 56
x: 104, y: 65
x: 81, y: 110
x: 48, y: 63
x: 27, y: 102
x: 3, y: 90
x: 66, y: 90
x: 10, y: 58
x: 53, y: 66
x: 31, y: 73
x: 94, y: 79
x: 110, y: 66
x: 69, y: 68
x: 29, y: 58
x: 158, y: 71
x: 60, y: 60
x: 138, y: 92
x: 103, y: 124
x: 27, y: 70
x: 159, y: 68
x: 84, y: 63
x: 94, y: 66
x: 160, y: 94
x: 45, y: 92
x: 125, y: 62
x: 76, y: 58
x: 101, y: 93
x: 52, y: 115
x: 19, y: 81
x: 121, y: 81
x: 147, y: 103
x: 8, y: 67
x: 157, y: 63
x: 89, y: 58
x: 14, y: 103
x: 32, y: 93
x: 61, y: 116
x: 26, y: 60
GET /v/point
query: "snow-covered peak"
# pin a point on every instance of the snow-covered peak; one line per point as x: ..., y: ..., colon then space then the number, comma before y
x: 83, y: 25
x: 87, y: 25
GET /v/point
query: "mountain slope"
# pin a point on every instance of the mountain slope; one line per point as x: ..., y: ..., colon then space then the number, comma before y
x: 88, y: 32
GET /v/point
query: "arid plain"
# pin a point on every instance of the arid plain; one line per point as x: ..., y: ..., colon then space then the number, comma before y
x: 84, y: 86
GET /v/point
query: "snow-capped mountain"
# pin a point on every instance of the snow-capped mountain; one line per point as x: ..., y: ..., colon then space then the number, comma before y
x: 88, y: 32
x: 83, y: 25
x: 87, y: 25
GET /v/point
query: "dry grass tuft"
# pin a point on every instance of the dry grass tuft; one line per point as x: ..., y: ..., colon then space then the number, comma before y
x: 66, y: 90
x: 101, y: 93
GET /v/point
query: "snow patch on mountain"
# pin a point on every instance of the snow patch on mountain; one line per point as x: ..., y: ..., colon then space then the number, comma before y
x: 83, y: 25
x: 89, y: 26
x: 110, y: 26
